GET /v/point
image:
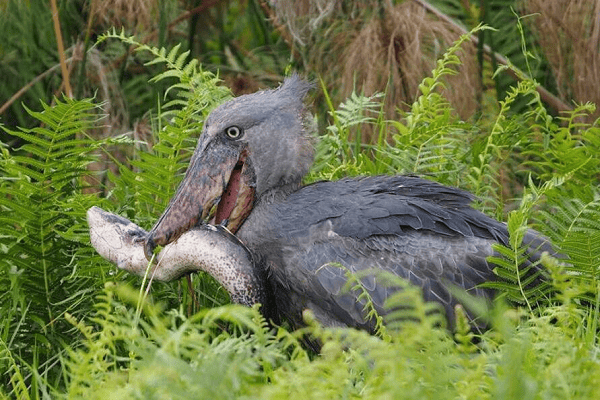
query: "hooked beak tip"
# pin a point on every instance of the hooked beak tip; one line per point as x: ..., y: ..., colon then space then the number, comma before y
x: 149, y: 247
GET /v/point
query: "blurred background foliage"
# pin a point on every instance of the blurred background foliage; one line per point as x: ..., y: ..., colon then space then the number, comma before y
x: 364, y: 46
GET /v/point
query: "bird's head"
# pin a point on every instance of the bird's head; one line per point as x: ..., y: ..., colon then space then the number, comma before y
x: 252, y: 145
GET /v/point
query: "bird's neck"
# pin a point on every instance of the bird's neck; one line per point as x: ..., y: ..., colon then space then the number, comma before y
x: 258, y: 221
x: 277, y: 194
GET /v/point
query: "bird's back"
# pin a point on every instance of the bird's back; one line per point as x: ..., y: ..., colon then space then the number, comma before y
x: 413, y: 228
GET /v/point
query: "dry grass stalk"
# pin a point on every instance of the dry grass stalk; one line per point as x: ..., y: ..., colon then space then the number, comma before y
x: 569, y: 33
x: 402, y: 48
x: 303, y: 17
x: 365, y: 46
x: 61, y: 49
x: 129, y: 13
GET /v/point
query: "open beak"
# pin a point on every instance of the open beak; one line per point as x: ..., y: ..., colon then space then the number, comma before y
x: 218, y: 186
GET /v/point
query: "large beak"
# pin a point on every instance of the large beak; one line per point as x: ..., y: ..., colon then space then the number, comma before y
x: 219, y: 185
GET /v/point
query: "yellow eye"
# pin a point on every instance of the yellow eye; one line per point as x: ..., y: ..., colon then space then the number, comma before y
x: 234, y: 132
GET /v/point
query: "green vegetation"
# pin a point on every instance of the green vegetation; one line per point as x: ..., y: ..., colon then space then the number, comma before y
x: 73, y: 327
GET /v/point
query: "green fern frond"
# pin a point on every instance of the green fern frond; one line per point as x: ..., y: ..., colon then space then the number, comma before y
x: 356, y: 286
x: 408, y: 310
x: 564, y: 146
x: 356, y: 110
x: 575, y: 226
x: 569, y: 217
x: 437, y: 149
x: 519, y: 285
x: 13, y: 369
x: 520, y: 280
x: 42, y: 214
x: 584, y: 252
x: 336, y: 156
x: 487, y: 157
x: 463, y: 334
x: 216, y: 350
x: 431, y: 140
x: 146, y: 187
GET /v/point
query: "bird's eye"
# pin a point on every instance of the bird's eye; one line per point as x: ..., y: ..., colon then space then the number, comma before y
x: 234, y: 132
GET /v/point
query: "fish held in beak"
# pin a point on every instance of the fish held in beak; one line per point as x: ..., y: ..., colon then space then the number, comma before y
x: 219, y: 185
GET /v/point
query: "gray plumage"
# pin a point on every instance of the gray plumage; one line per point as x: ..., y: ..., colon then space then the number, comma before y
x: 414, y: 228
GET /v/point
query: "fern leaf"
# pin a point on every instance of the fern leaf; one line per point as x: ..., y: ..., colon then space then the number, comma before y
x: 583, y: 250
x: 571, y: 220
x: 37, y: 198
x: 172, y: 57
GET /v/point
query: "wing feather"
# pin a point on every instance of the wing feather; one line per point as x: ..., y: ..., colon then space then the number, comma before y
x: 416, y: 229
x: 322, y: 267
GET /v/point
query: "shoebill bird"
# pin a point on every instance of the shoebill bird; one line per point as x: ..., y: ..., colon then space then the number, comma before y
x: 246, y: 174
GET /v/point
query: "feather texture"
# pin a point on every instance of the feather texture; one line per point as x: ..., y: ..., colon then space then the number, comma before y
x: 416, y: 229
